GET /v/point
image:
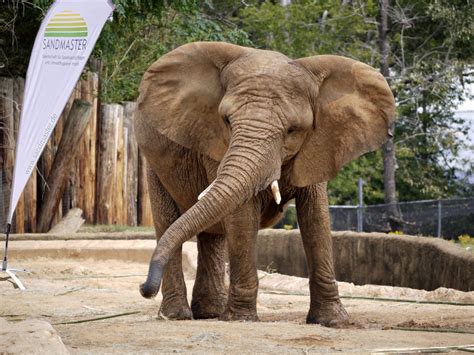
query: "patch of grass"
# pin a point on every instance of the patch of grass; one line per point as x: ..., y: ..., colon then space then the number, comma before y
x: 111, y: 228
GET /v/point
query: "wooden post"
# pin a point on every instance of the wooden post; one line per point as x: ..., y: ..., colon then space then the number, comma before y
x: 131, y: 190
x: 74, y: 187
x: 7, y: 141
x: 89, y: 93
x: 18, y: 89
x: 107, y: 162
x: 57, y: 179
x: 120, y: 175
x: 145, y: 217
x: 132, y: 165
x: 30, y: 194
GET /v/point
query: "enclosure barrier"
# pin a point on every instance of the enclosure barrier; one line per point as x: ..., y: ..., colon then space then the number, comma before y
x: 443, y: 218
x: 361, y: 258
x: 447, y: 218
x: 107, y: 180
x: 375, y: 258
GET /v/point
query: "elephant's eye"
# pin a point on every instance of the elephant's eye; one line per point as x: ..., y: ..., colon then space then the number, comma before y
x: 291, y: 129
x: 226, y: 120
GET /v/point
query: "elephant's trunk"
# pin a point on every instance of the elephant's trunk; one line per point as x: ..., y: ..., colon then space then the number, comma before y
x: 245, y: 171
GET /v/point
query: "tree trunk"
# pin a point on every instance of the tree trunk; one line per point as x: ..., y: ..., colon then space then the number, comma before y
x: 389, y: 160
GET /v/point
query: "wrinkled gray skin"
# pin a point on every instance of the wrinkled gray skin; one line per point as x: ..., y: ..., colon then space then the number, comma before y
x: 243, y: 118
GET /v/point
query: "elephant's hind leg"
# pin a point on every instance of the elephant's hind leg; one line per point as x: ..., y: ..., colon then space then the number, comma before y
x: 165, y: 212
x: 209, y: 293
x: 313, y: 217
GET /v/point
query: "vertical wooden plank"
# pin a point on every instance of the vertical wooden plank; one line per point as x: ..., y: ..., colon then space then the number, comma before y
x: 26, y: 208
x: 145, y: 217
x: 108, y: 129
x: 131, y: 190
x: 74, y: 186
x: 18, y: 90
x: 79, y: 167
x: 90, y: 89
x: 30, y: 194
x: 120, y: 175
x: 7, y: 142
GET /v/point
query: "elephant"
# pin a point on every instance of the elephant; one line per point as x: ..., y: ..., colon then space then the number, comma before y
x: 231, y: 134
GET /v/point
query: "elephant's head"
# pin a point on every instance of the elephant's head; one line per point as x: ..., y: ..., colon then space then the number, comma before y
x: 255, y: 112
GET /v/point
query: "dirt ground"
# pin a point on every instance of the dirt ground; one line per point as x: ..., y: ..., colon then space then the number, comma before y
x: 63, y: 292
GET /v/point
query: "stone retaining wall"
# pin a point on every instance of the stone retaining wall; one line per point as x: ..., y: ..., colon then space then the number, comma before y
x: 375, y: 258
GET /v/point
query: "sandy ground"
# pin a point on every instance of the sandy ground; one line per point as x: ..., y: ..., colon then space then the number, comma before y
x: 62, y: 292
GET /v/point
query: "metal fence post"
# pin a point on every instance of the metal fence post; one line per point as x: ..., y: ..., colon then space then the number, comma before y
x: 438, y: 234
x: 360, y: 207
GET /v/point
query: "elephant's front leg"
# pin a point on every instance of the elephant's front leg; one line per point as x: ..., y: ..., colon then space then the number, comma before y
x: 209, y: 292
x: 241, y: 231
x: 313, y: 218
x: 165, y: 212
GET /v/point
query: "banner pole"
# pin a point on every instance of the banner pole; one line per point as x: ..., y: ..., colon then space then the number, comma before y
x: 5, y: 255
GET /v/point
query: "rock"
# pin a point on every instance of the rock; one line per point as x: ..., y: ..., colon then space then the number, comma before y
x: 70, y: 223
x: 30, y: 336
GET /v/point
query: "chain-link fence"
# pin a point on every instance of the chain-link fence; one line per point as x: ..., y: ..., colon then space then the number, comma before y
x: 448, y: 218
x: 439, y: 218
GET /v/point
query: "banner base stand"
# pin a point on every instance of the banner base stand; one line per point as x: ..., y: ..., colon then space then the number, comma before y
x: 11, y: 272
x: 15, y: 279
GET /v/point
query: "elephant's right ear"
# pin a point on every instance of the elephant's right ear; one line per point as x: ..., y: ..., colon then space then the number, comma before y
x: 180, y: 95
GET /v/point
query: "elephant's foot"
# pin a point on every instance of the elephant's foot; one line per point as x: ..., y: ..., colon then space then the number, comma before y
x: 242, y: 304
x: 175, y: 308
x: 331, y: 314
x: 245, y: 310
x: 230, y: 315
x: 208, y: 307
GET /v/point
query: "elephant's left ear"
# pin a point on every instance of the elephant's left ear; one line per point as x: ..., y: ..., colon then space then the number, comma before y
x: 353, y: 111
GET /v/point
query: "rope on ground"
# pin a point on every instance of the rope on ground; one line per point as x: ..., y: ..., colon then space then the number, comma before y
x: 407, y: 301
x: 435, y: 330
x: 380, y: 299
x: 71, y: 291
x: 437, y: 349
x: 98, y: 318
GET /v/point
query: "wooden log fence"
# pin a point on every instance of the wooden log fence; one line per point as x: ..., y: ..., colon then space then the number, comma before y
x: 57, y: 178
x: 107, y: 178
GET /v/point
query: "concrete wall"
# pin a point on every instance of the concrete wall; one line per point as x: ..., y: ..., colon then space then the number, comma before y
x: 361, y: 258
x: 375, y: 258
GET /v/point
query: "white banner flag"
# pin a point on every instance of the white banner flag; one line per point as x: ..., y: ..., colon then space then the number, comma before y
x: 63, y: 44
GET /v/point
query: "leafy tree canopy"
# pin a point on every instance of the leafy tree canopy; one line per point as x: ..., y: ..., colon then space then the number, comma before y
x: 431, y: 45
x: 431, y: 55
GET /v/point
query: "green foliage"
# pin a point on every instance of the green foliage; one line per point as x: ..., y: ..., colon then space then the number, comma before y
x: 289, y: 220
x: 311, y: 27
x: 430, y: 62
x: 18, y: 23
x: 431, y: 54
x: 344, y: 189
x: 126, y: 52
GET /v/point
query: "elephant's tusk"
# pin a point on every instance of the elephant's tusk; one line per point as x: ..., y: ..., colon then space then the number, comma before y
x: 276, y: 192
x: 201, y: 195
